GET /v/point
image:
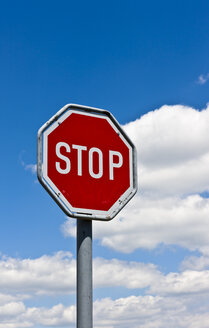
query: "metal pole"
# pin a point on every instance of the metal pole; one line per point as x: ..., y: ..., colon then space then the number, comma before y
x: 84, y: 274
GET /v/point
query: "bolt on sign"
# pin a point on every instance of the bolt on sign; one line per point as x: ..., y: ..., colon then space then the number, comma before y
x: 86, y: 162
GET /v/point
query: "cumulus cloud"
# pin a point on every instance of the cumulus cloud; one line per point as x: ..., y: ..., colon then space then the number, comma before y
x: 133, y: 311
x: 17, y: 315
x: 146, y: 223
x: 56, y: 274
x: 111, y: 273
x: 187, y: 282
x: 178, y: 299
x: 173, y: 152
x: 57, y: 316
x: 7, y: 298
x: 150, y: 312
x: 44, y: 275
x: 196, y: 263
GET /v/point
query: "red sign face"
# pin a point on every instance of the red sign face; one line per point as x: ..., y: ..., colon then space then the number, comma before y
x: 88, y: 163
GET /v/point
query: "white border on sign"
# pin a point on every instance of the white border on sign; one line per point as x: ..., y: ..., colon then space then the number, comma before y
x: 60, y: 196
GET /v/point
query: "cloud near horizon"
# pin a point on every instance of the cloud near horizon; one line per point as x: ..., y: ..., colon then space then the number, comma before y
x: 169, y: 299
x: 134, y: 311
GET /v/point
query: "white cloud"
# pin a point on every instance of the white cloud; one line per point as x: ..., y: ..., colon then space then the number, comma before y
x: 69, y: 228
x: 16, y: 315
x: 44, y: 275
x: 111, y: 273
x: 31, y: 167
x: 11, y: 309
x: 146, y: 223
x: 58, y: 316
x: 56, y: 275
x: 173, y: 152
x: 202, y: 79
x: 151, y: 312
x: 187, y: 282
x: 172, y: 300
x: 196, y: 263
x: 6, y: 298
x: 9, y: 314
x: 133, y: 311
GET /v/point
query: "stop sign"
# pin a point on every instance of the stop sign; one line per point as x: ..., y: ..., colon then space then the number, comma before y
x: 86, y: 162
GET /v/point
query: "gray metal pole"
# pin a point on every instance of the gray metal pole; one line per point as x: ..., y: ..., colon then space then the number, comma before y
x: 84, y: 274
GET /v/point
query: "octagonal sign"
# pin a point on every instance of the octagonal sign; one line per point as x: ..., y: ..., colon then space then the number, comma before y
x: 86, y: 162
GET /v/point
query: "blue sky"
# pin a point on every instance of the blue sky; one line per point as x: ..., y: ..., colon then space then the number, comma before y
x: 147, y: 63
